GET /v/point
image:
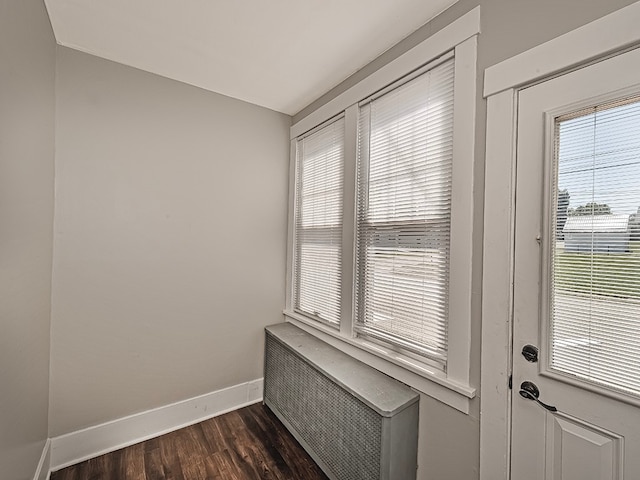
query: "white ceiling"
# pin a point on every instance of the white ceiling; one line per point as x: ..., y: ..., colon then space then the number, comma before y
x: 280, y: 54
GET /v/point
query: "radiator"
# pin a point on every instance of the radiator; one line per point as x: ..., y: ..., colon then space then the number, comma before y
x: 355, y: 422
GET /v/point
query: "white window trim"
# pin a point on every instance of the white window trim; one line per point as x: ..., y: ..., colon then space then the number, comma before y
x: 452, y: 388
x: 606, y: 36
x: 569, y: 50
x: 439, y: 43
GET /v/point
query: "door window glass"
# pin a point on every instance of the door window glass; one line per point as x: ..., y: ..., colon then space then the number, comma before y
x: 595, y: 285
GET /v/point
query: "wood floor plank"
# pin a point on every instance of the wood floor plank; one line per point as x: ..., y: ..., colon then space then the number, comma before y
x: 109, y: 464
x: 237, y: 437
x: 299, y: 462
x: 96, y: 467
x: 269, y: 442
x: 133, y: 459
x: 247, y: 444
x: 191, y: 453
x: 169, y: 456
x: 119, y: 466
x: 153, y: 460
x: 211, y: 431
x: 220, y: 466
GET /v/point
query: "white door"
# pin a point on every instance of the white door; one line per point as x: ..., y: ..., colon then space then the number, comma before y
x: 577, y: 276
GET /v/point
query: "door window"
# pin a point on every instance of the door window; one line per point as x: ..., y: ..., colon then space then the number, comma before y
x: 595, y: 286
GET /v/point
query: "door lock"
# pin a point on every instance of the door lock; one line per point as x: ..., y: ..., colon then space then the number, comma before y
x: 530, y: 353
x: 530, y: 391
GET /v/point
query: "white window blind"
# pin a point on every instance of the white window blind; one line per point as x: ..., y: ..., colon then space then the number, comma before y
x: 595, y: 288
x: 404, y: 214
x: 318, y: 223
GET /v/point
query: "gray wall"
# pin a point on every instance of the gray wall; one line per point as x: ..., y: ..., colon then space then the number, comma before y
x: 449, y: 441
x: 27, y: 74
x: 170, y: 240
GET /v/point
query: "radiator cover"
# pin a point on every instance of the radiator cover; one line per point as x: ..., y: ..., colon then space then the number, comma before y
x: 356, y: 423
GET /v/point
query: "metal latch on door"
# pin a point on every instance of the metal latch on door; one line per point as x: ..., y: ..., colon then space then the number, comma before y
x: 530, y: 391
x: 530, y: 353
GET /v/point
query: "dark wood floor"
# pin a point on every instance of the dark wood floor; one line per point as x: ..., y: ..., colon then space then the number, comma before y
x: 249, y: 443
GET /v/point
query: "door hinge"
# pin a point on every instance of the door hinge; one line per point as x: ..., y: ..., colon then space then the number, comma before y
x: 510, y: 382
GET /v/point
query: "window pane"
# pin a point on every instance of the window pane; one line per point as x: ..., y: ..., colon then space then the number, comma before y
x: 404, y: 204
x: 318, y: 234
x: 595, y: 320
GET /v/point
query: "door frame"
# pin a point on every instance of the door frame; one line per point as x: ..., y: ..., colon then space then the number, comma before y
x: 602, y: 38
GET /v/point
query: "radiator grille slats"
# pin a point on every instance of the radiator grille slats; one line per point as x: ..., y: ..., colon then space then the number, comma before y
x: 314, y: 405
x: 356, y: 422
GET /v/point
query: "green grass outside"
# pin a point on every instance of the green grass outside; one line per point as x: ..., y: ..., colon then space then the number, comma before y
x: 607, y: 274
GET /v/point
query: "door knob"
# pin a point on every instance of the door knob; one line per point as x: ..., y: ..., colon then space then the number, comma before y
x: 530, y: 391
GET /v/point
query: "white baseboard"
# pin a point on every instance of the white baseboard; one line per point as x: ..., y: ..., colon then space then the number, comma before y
x: 43, y: 470
x: 91, y: 442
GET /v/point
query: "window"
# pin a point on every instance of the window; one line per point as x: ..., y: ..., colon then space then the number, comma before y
x: 318, y: 229
x: 595, y: 288
x: 404, y: 214
x: 380, y: 253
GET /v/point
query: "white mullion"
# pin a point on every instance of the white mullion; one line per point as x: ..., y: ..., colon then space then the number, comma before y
x: 349, y: 220
x: 461, y: 250
x: 362, y: 183
x: 293, y: 175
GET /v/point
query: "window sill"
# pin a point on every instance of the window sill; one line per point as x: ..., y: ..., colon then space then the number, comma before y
x: 404, y: 369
